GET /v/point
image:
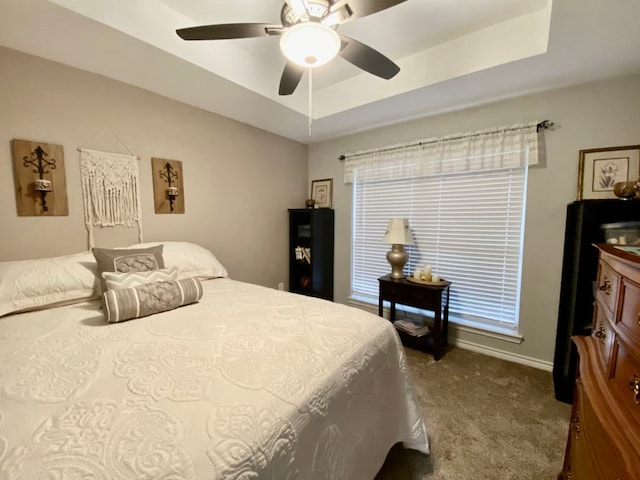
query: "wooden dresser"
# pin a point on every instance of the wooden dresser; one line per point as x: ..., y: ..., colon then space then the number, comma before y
x: 604, y: 434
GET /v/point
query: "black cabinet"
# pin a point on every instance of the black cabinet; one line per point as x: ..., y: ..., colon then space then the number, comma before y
x: 311, y: 252
x: 579, y: 268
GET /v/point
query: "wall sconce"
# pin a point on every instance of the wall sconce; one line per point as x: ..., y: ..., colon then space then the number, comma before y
x: 39, y: 180
x: 42, y: 166
x: 168, y: 185
x: 169, y: 175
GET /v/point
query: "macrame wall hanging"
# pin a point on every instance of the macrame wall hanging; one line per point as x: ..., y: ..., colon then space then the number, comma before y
x: 110, y: 190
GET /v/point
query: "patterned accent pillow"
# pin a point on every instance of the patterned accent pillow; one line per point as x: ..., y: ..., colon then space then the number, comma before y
x: 127, y: 260
x: 150, y: 298
x: 118, y: 281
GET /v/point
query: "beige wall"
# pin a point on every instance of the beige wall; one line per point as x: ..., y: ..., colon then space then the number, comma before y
x: 239, y: 180
x: 590, y: 116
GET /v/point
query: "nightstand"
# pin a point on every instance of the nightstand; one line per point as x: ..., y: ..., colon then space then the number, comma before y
x: 432, y: 297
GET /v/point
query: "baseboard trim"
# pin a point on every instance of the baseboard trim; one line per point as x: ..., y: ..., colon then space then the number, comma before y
x: 511, y: 357
x: 475, y: 347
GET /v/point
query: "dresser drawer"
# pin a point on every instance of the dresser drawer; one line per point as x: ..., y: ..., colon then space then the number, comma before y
x: 603, y: 333
x: 626, y: 372
x: 629, y: 318
x: 582, y: 459
x: 606, y: 459
x: 607, y: 287
x: 413, y: 295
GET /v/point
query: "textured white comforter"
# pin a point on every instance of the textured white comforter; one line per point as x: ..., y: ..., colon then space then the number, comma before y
x: 249, y: 383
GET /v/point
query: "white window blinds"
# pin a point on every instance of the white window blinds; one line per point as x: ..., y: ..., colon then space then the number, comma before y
x: 467, y: 224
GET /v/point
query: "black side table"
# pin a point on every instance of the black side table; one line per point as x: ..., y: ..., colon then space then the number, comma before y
x: 432, y: 297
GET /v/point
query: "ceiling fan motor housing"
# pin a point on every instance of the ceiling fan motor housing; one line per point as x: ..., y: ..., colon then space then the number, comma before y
x: 316, y: 11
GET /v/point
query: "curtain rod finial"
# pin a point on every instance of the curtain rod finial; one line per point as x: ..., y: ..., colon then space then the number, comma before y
x: 545, y: 124
x: 341, y: 157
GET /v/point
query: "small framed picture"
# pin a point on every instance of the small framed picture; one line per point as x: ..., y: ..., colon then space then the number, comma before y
x: 322, y: 191
x: 601, y: 168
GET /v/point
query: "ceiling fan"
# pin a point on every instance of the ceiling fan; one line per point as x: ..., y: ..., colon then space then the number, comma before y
x: 308, y: 37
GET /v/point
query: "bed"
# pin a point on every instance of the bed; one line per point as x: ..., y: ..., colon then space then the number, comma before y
x: 246, y: 383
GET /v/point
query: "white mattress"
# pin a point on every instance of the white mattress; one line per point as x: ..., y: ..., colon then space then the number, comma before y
x: 249, y: 383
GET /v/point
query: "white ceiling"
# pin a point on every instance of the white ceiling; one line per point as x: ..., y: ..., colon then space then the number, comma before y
x: 452, y: 54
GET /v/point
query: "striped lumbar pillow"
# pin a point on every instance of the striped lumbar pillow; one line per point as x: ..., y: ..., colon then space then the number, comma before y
x: 118, y: 280
x: 150, y: 298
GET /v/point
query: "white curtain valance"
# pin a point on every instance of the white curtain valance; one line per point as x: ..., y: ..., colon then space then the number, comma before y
x: 493, y: 149
x: 110, y: 190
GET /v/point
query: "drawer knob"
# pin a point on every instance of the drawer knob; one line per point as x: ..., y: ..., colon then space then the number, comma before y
x: 634, y: 386
x: 601, y: 333
x: 576, y: 425
x: 605, y: 287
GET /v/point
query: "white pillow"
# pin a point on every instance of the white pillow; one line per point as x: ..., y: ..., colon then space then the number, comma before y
x: 120, y: 280
x: 46, y: 282
x: 192, y: 260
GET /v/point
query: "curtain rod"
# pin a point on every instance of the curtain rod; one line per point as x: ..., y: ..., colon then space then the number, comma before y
x: 543, y: 125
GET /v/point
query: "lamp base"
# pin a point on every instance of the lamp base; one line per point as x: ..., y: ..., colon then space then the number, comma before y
x: 397, y: 258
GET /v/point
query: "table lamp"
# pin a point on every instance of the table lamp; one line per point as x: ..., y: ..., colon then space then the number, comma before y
x: 398, y: 235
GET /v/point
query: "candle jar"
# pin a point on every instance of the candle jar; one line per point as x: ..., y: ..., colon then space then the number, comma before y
x: 427, y: 273
x: 42, y: 185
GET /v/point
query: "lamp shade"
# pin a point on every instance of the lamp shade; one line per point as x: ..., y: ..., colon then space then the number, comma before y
x: 398, y: 232
x: 310, y: 44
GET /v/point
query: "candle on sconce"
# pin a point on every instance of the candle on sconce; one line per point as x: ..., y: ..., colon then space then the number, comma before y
x: 435, y: 278
x: 417, y: 274
x: 42, y: 185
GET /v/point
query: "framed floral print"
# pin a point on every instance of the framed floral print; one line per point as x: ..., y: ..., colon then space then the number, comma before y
x: 322, y: 192
x: 601, y: 168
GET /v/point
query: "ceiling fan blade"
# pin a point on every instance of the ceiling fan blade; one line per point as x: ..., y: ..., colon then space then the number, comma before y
x: 362, y: 8
x: 228, y: 31
x: 368, y: 59
x: 290, y: 79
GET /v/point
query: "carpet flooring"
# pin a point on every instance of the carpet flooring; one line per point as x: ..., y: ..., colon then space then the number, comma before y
x: 486, y: 419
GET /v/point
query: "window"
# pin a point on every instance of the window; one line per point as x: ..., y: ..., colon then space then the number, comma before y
x: 467, y: 223
x: 467, y: 226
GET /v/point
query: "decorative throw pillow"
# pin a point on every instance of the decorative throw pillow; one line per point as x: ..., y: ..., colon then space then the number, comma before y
x: 192, y: 260
x: 118, y: 281
x: 150, y: 298
x: 125, y: 260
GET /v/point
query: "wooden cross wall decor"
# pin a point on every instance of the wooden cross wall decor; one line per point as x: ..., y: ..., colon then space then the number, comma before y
x: 168, y: 185
x: 39, y: 178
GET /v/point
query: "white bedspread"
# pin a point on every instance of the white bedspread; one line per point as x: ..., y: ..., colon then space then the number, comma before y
x: 250, y: 383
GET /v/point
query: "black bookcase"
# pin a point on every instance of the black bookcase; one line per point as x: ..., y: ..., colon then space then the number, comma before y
x: 311, y: 252
x: 579, y: 268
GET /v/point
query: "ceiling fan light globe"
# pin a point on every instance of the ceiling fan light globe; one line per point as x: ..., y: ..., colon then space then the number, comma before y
x: 310, y: 44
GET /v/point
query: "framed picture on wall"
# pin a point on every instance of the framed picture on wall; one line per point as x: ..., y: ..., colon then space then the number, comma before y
x: 601, y: 168
x: 322, y: 192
